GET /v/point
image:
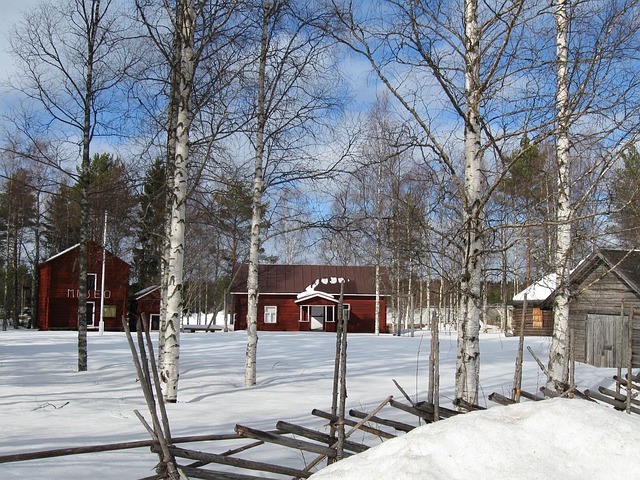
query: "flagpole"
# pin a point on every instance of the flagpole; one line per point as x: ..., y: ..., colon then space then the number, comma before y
x: 104, y: 252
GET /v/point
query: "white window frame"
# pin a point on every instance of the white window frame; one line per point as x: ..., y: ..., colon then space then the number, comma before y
x: 91, y: 319
x: 95, y: 281
x: 270, y: 314
x: 152, y: 317
x: 346, y: 310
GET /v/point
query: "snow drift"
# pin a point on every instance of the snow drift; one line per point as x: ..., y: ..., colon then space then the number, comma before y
x: 559, y: 438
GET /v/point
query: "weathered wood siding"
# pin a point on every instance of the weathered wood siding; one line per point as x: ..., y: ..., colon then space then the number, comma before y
x: 546, y: 330
x: 595, y: 320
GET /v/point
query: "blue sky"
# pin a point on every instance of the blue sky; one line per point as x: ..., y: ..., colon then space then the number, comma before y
x: 11, y: 14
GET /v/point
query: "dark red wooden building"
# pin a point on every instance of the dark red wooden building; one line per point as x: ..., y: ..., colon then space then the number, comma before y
x: 305, y: 298
x: 58, y: 289
x: 147, y: 303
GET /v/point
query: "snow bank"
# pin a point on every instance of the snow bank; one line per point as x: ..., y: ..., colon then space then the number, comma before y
x: 569, y: 439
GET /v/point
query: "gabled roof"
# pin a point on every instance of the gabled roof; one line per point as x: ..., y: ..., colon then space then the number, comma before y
x: 538, y: 291
x: 294, y: 279
x: 90, y: 245
x: 307, y: 295
x: 63, y: 252
x: 145, y: 291
x: 624, y: 264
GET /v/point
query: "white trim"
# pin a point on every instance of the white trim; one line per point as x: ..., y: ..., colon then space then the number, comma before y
x: 346, y: 306
x: 62, y: 253
x: 93, y: 320
x: 143, y: 293
x: 151, y: 318
x: 270, y: 314
x: 95, y: 283
x: 307, y: 294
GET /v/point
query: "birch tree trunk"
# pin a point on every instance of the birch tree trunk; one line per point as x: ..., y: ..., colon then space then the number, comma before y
x: 7, y: 260
x: 170, y: 368
x: 558, y: 351
x: 378, y: 243
x: 468, y: 358
x: 92, y: 32
x: 35, y: 280
x: 174, y: 91
x: 256, y: 217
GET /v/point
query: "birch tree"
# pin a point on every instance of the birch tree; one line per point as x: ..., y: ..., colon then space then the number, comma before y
x: 169, y: 372
x: 196, y: 48
x: 72, y: 59
x: 596, y: 117
x: 558, y: 354
x: 295, y: 96
x: 269, y: 14
x: 445, y: 67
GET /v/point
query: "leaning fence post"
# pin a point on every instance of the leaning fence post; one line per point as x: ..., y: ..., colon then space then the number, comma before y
x: 517, y: 377
x: 629, y: 359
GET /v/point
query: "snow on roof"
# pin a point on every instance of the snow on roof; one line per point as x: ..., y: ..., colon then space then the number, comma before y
x: 145, y: 291
x: 62, y: 253
x: 307, y: 294
x: 539, y: 290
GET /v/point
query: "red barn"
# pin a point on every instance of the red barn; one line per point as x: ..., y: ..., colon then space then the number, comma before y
x: 58, y: 289
x: 305, y: 297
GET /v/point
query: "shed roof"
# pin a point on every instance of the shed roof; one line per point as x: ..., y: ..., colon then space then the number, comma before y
x: 538, y: 291
x: 293, y: 279
x: 624, y: 264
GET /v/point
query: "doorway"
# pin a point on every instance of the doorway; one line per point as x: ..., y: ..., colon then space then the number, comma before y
x: 318, y: 317
x: 91, y: 314
x: 607, y: 337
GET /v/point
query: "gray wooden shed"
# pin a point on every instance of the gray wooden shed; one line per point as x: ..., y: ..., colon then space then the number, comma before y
x: 605, y: 292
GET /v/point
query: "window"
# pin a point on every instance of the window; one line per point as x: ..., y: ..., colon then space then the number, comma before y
x: 92, y: 281
x: 91, y: 314
x: 155, y: 321
x: 270, y: 314
x: 537, y: 318
x: 346, y: 312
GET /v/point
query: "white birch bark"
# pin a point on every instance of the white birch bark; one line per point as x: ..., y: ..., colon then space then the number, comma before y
x: 171, y: 157
x: 256, y: 217
x: 378, y: 243
x: 170, y: 366
x: 252, y: 277
x: 468, y: 358
x: 558, y: 351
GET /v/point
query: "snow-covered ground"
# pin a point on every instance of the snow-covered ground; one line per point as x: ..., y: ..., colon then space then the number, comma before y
x: 46, y: 404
